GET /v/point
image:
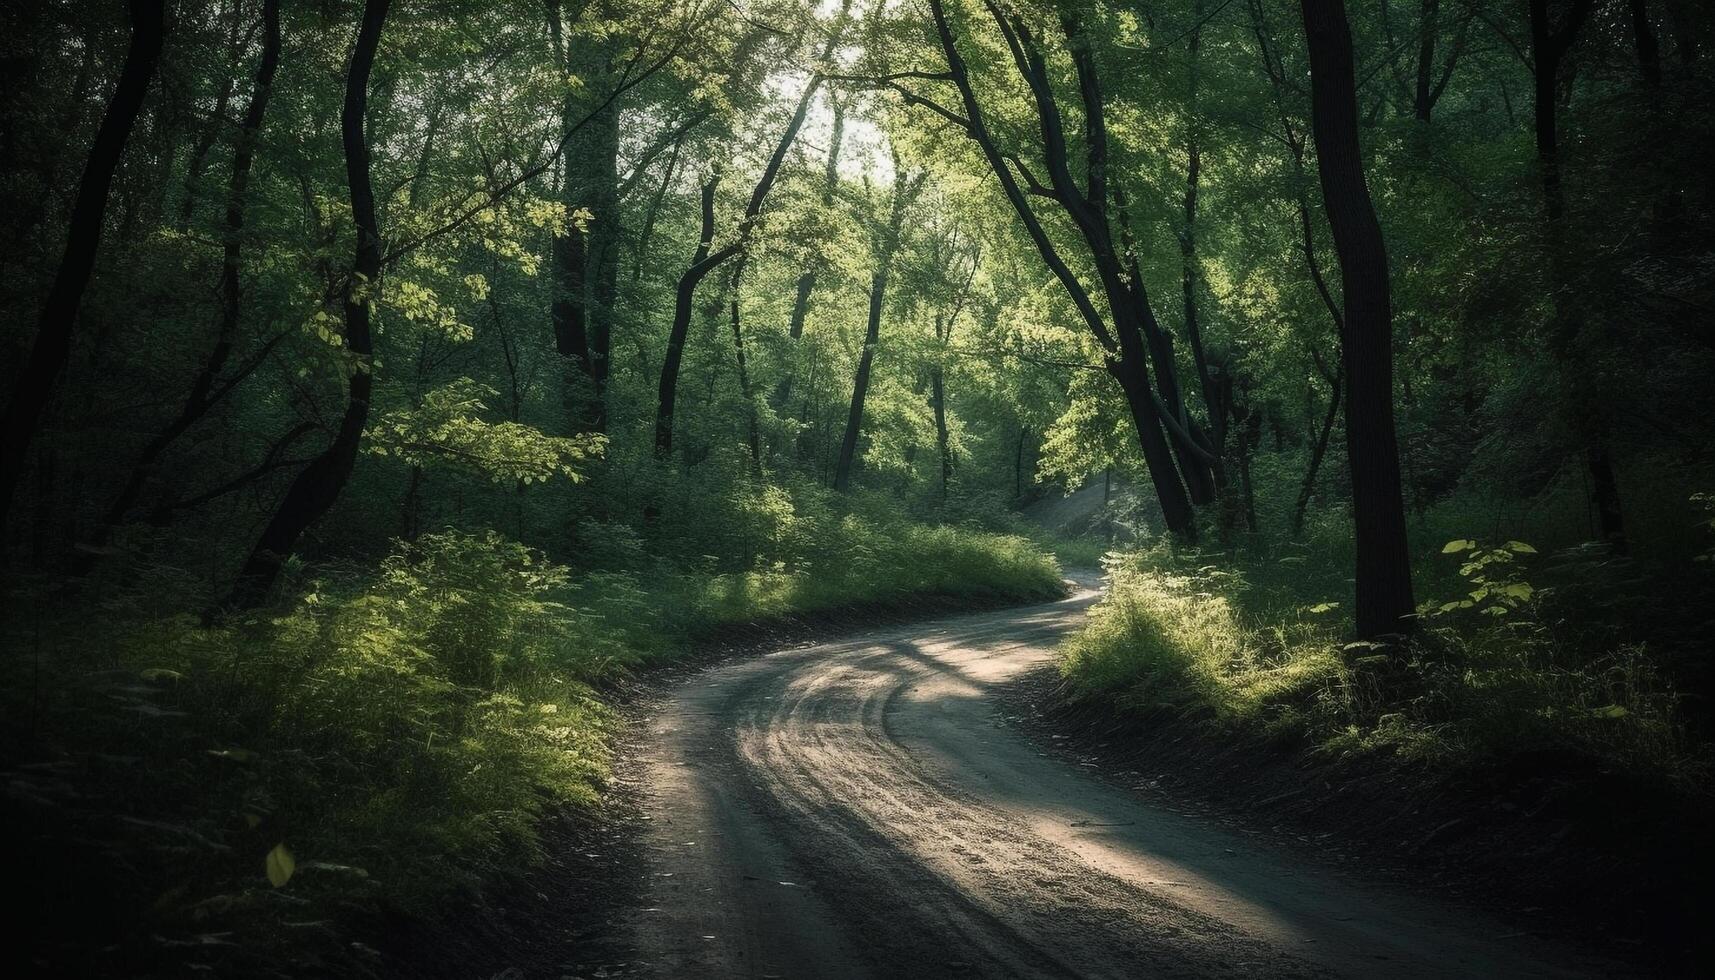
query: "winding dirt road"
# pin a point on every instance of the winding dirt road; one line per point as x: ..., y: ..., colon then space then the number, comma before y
x: 857, y: 809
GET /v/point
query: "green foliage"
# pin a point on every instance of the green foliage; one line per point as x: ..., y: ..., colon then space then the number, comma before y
x: 394, y: 735
x: 1170, y: 637
x: 1200, y: 643
x: 390, y: 736
x: 399, y: 721
x: 1497, y: 583
x: 447, y: 429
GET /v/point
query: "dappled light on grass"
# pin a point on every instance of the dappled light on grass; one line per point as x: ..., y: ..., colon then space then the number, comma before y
x: 1177, y: 640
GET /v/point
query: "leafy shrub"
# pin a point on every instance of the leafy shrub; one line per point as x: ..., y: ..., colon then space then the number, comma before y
x: 1189, y: 640
x: 388, y: 738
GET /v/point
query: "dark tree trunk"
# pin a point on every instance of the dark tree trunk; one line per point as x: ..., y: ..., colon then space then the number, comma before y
x: 684, y: 300
x: 1422, y: 101
x: 801, y: 305
x: 705, y: 262
x: 1018, y: 466
x: 1649, y: 52
x: 320, y: 483
x: 602, y: 277
x: 1127, y: 356
x: 1318, y: 450
x: 860, y: 384
x: 411, y: 511
x: 204, y: 395
x: 943, y: 451
x: 753, y: 435
x: 1214, y: 391
x: 1384, y: 598
x: 585, y: 257
x: 904, y: 191
x: 35, y: 384
x: 1176, y: 511
x: 1550, y: 44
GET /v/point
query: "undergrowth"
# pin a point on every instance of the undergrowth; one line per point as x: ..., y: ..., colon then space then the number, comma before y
x: 383, y: 738
x: 1252, y: 642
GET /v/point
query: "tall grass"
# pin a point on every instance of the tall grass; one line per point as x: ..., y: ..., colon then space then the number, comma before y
x: 1255, y: 645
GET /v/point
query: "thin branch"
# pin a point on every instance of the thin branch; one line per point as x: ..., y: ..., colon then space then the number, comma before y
x: 494, y: 197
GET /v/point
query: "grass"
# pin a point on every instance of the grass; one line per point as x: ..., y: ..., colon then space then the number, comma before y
x: 385, y: 738
x: 1251, y: 641
x: 869, y: 565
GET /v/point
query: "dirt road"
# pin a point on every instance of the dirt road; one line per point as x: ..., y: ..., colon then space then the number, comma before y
x: 856, y: 809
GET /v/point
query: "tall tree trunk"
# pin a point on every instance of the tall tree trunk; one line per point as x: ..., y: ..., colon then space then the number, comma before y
x: 1384, y: 598
x: 684, y: 300
x: 35, y: 384
x: 705, y: 262
x: 203, y: 394
x: 319, y: 484
x: 1550, y: 44
x: 943, y: 450
x: 1643, y: 36
x: 1428, y: 24
x: 904, y: 192
x: 1215, y: 402
x: 1127, y: 357
x: 1018, y: 465
x: 753, y: 435
x: 1318, y: 450
x: 601, y: 278
x: 807, y: 280
x: 860, y: 384
x: 585, y: 258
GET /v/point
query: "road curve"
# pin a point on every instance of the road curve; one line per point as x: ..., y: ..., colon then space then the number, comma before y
x: 856, y: 809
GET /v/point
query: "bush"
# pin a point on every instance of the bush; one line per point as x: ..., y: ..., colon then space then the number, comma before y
x: 382, y: 740
x: 390, y: 736
x: 1191, y: 641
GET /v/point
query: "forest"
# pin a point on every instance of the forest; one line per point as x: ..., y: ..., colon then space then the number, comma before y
x: 695, y: 488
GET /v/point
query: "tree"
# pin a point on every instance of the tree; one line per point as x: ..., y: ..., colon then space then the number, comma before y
x: 1383, y: 568
x: 35, y: 384
x: 585, y: 256
x: 1550, y: 43
x: 905, y: 190
x: 707, y: 259
x: 209, y: 388
x: 319, y: 484
x: 1128, y: 357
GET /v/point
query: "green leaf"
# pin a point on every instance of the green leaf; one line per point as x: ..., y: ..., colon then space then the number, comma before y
x: 1457, y: 545
x: 279, y: 865
x: 1519, y: 548
x: 1610, y: 711
x: 1522, y: 591
x: 1322, y: 607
